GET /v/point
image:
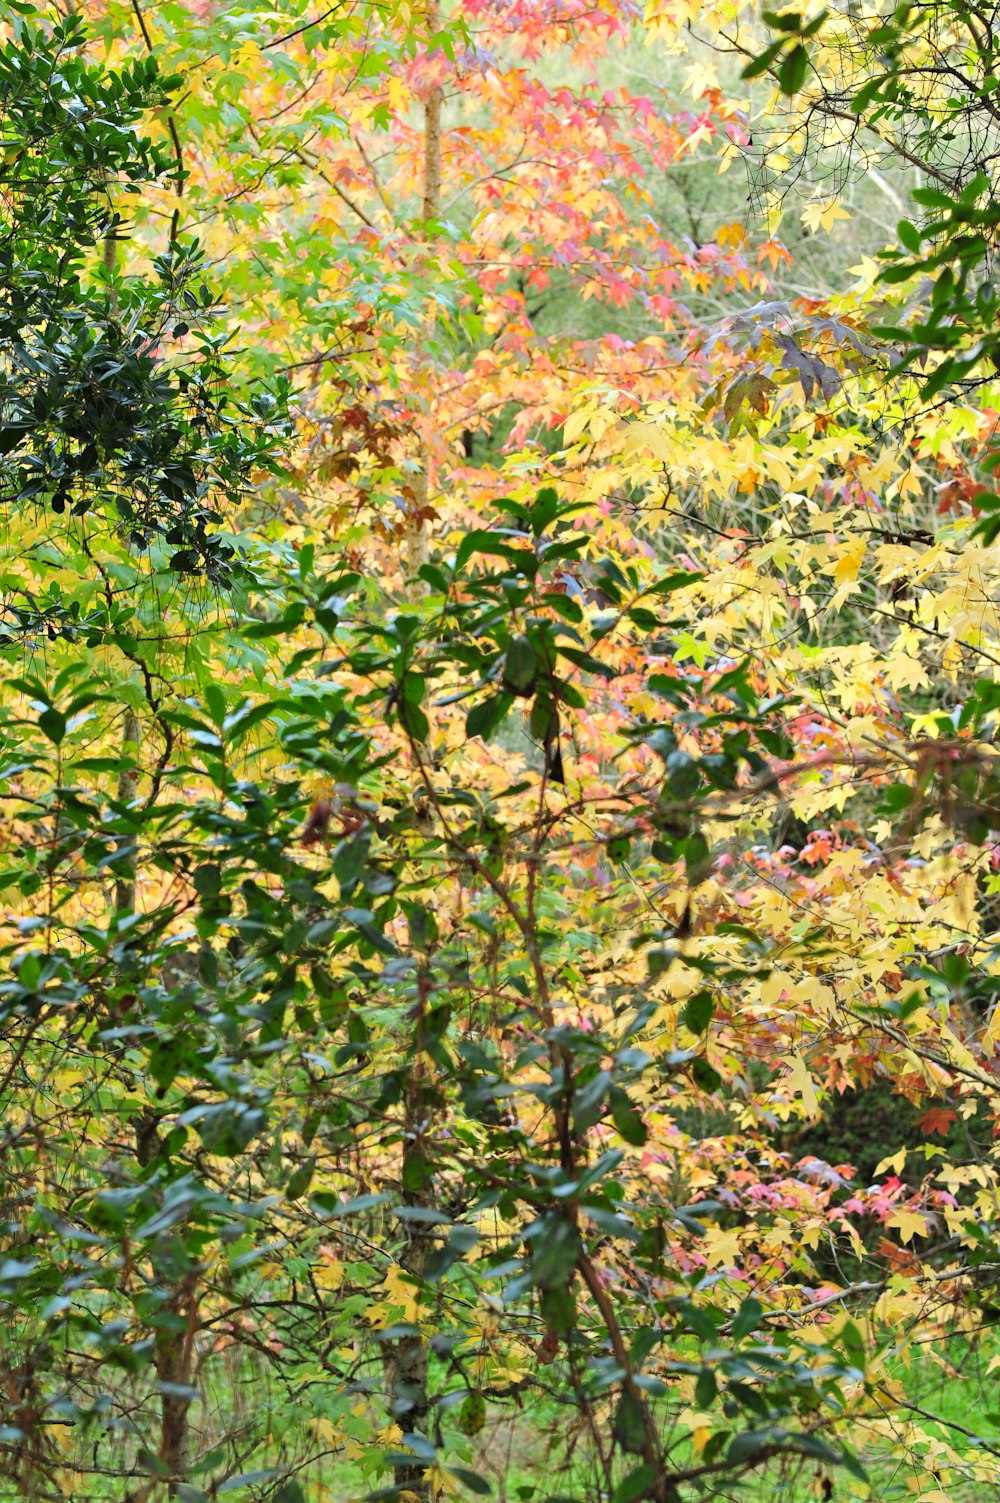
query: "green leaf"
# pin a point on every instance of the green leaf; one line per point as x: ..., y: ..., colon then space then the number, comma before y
x: 472, y: 1480
x: 932, y: 198
x: 697, y: 858
x: 483, y: 541
x: 814, y: 1445
x: 705, y: 1076
x: 852, y: 1344
x: 618, y: 848
x: 679, y: 579
x: 52, y: 723
x: 627, y: 1118
x: 413, y: 720
x: 909, y: 235
x: 762, y: 62
x: 300, y: 1180
x: 215, y: 699
x: 683, y: 775
x: 207, y: 880
x: 748, y: 1317
x: 868, y: 91
x: 698, y: 1321
x: 334, y: 1209
x: 544, y: 510
x: 472, y: 1413
x: 749, y: 1445
x: 247, y: 1479
x: 698, y: 1011
x: 789, y: 20
x: 636, y: 1485
x: 629, y: 1425
x: 483, y: 719
x: 520, y: 666
x: 258, y: 631
x: 896, y: 798
x: 556, y: 1249
x: 792, y: 73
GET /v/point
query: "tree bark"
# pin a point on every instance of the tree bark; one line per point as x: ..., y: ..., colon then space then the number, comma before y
x: 406, y: 1366
x: 417, y: 535
x: 128, y: 784
x: 406, y: 1358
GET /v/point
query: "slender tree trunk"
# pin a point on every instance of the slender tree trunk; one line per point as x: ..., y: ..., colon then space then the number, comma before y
x: 174, y: 1347
x: 174, y: 1353
x: 128, y: 777
x: 128, y: 783
x: 417, y: 528
x: 406, y: 1358
x: 406, y: 1365
x: 409, y: 1400
x: 110, y: 259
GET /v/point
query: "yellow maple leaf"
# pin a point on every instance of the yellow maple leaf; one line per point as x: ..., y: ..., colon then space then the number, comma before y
x: 720, y: 1246
x: 823, y: 215
x: 800, y: 1082
x: 895, y: 1162
x: 908, y: 1224
x: 849, y: 560
x: 329, y: 1275
x: 401, y: 1291
x: 731, y: 234
x: 701, y: 78
x: 578, y: 422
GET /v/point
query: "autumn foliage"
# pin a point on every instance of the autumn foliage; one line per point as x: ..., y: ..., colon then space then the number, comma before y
x: 500, y: 831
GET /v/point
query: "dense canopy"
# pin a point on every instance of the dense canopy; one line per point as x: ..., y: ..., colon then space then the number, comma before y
x: 499, y: 800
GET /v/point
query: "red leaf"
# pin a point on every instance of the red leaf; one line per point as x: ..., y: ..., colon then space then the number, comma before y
x: 937, y: 1119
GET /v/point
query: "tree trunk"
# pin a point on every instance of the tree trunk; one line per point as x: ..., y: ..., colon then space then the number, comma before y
x: 406, y: 1358
x: 418, y: 522
x: 128, y: 783
x: 406, y: 1365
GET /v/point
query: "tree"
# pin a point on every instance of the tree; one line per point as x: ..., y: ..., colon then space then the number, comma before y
x: 93, y: 416
x: 416, y: 1045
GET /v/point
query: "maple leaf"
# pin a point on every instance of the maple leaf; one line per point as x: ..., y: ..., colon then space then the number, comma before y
x: 823, y: 215
x: 909, y: 1224
x: 937, y: 1119
x: 799, y: 1081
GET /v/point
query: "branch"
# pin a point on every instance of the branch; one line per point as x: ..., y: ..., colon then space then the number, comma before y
x: 171, y: 127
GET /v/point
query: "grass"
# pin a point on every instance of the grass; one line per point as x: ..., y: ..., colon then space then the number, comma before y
x: 542, y: 1451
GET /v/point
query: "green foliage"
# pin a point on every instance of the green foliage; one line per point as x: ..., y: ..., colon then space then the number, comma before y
x: 275, y: 1020
x: 924, y: 78
x: 350, y: 1110
x: 97, y: 418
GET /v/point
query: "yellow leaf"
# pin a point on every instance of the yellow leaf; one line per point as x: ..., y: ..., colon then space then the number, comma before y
x: 578, y: 422
x: 731, y: 234
x: 329, y: 1275
x: 799, y: 1081
x: 401, y: 1291
x: 823, y: 215
x: 895, y: 1162
x: 908, y: 1224
x: 701, y: 78
x: 721, y: 1247
x: 845, y: 570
